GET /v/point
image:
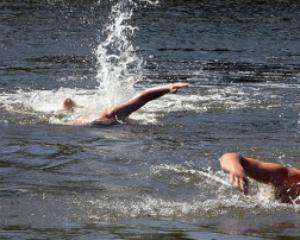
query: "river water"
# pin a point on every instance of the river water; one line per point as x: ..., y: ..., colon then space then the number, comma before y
x: 157, y: 177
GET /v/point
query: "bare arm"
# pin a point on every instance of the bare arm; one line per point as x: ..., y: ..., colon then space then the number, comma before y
x: 240, y: 167
x: 265, y: 172
x: 123, y: 110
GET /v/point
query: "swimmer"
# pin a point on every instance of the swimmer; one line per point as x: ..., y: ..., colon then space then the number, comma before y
x: 286, y: 180
x: 121, y: 111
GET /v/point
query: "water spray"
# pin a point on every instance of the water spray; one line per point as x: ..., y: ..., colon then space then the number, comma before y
x: 118, y: 66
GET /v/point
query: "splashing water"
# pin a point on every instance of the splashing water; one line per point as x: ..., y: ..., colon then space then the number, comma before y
x: 118, y: 66
x: 225, y: 198
x: 192, y: 172
x: 118, y: 69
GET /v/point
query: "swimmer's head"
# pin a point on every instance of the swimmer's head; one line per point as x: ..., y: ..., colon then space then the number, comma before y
x: 69, y: 104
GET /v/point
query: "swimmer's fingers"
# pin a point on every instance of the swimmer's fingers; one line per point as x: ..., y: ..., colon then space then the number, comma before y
x: 239, y: 182
x: 243, y: 184
x: 233, y: 180
x: 175, y: 86
x: 246, y: 186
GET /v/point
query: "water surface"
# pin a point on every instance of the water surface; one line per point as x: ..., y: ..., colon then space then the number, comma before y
x: 157, y: 177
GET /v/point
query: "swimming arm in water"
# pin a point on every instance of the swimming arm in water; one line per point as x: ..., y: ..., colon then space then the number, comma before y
x: 279, y: 176
x: 123, y: 110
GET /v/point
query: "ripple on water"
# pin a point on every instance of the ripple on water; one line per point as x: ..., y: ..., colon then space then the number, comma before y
x: 41, y: 150
x: 9, y: 149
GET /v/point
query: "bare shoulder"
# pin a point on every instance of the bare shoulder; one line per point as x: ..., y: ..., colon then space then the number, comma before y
x: 289, y: 190
x: 293, y: 176
x: 106, y: 117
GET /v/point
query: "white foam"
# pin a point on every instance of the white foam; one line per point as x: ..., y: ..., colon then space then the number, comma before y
x: 93, y: 101
x: 264, y: 197
x: 192, y: 172
x: 150, y: 206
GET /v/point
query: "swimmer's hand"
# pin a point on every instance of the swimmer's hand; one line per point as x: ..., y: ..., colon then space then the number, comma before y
x: 238, y: 179
x: 175, y: 86
x: 231, y: 164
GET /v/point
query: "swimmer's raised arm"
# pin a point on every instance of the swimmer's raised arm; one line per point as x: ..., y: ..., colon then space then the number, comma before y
x: 240, y: 167
x: 123, y: 110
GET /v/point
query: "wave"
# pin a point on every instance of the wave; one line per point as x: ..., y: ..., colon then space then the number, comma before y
x: 224, y: 200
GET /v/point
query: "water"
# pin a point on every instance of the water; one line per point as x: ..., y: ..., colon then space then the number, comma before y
x: 157, y: 177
